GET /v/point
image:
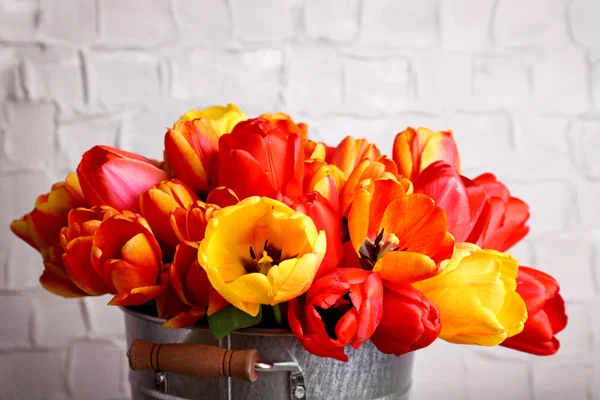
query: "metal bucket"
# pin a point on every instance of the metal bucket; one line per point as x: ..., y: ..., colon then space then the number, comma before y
x: 286, y: 370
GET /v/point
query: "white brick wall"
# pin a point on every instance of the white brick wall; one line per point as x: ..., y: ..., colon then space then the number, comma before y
x: 517, y: 81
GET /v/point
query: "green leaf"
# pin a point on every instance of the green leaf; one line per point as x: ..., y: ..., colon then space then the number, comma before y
x: 229, y: 319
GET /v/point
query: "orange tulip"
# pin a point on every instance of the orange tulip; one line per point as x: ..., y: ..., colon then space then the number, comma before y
x: 157, y: 203
x: 41, y: 230
x: 77, y: 241
x: 325, y: 217
x: 116, y: 177
x: 402, y: 236
x: 286, y: 124
x: 350, y: 152
x: 327, y: 179
x: 189, y: 224
x: 316, y: 150
x: 192, y: 153
x: 415, y: 150
x: 126, y: 255
x: 191, y: 285
x: 222, y: 197
x: 258, y: 159
x: 366, y: 172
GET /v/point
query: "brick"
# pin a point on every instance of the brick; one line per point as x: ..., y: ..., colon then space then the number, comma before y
x: 584, y: 140
x: 247, y: 78
x: 390, y: 89
x: 438, y: 81
x: 559, y: 381
x: 118, y: 79
x: 390, y: 22
x: 94, y: 369
x: 588, y: 194
x: 501, y: 80
x: 541, y: 22
x: 576, y: 338
x: 523, y: 251
x: 78, y: 136
x: 464, y: 24
x: 55, y: 75
x: 30, y: 133
x: 314, y: 84
x: 104, y: 320
x: 595, y: 80
x: 31, y: 375
x: 18, y: 20
x: 481, y: 138
x: 560, y: 83
x: 72, y: 21
x: 250, y: 21
x: 57, y: 320
x: 439, y: 372
x: 487, y: 379
x: 9, y: 75
x: 206, y: 21
x: 552, y: 254
x: 332, y: 20
x: 135, y: 23
x: 16, y: 314
x: 549, y: 205
x: 143, y: 132
x: 583, y: 17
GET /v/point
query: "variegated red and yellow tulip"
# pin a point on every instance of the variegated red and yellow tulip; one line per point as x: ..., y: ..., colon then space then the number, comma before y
x: 366, y: 172
x: 546, y: 313
x: 128, y: 258
x: 286, y: 124
x: 402, y: 236
x: 342, y: 308
x: 260, y: 251
x: 350, y: 152
x: 258, y: 159
x: 326, y: 219
x: 189, y: 224
x: 476, y: 295
x: 156, y: 205
x: 414, y: 150
x: 116, y: 178
x: 41, y: 227
x: 222, y: 119
x: 316, y: 150
x: 327, y: 179
x: 410, y: 321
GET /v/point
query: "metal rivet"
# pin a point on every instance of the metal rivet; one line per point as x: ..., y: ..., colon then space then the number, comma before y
x: 299, y: 392
x: 159, y: 378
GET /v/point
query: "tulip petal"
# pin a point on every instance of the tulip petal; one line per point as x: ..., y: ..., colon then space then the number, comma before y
x: 440, y: 146
x: 128, y: 277
x: 137, y: 296
x: 140, y: 251
x: 60, y: 286
x: 79, y: 265
x: 405, y: 267
x: 186, y: 318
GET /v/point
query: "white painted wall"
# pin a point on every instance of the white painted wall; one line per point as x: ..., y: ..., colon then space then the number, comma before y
x: 518, y: 82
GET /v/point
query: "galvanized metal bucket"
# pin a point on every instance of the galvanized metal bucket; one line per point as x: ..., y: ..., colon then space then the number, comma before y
x: 286, y: 370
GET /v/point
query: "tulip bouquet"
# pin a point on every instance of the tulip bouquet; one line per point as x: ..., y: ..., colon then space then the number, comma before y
x: 247, y: 222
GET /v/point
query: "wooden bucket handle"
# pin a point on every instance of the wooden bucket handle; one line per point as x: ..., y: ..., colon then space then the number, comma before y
x: 193, y: 360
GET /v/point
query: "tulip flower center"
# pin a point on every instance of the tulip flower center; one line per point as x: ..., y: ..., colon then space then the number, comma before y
x: 262, y: 262
x: 370, y: 252
x: 332, y: 315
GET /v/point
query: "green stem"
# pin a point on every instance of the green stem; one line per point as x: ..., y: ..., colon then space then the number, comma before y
x: 277, y: 314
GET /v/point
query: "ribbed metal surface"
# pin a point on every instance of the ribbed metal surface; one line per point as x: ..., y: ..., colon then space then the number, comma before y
x: 368, y: 375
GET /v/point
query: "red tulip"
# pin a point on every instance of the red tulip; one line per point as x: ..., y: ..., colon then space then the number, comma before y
x: 327, y: 179
x: 546, y: 313
x: 507, y: 223
x: 156, y: 205
x: 341, y: 308
x: 325, y: 217
x: 467, y: 208
x: 116, y: 177
x: 258, y: 159
x: 410, y: 321
x: 286, y: 124
x: 191, y: 153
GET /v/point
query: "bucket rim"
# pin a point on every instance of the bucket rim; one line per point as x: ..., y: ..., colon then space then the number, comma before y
x: 242, y: 332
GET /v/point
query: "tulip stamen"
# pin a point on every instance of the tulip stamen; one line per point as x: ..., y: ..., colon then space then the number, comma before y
x: 270, y: 256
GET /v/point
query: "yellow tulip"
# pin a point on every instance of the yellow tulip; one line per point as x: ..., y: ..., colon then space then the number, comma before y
x: 476, y: 296
x: 260, y: 251
x: 221, y: 118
